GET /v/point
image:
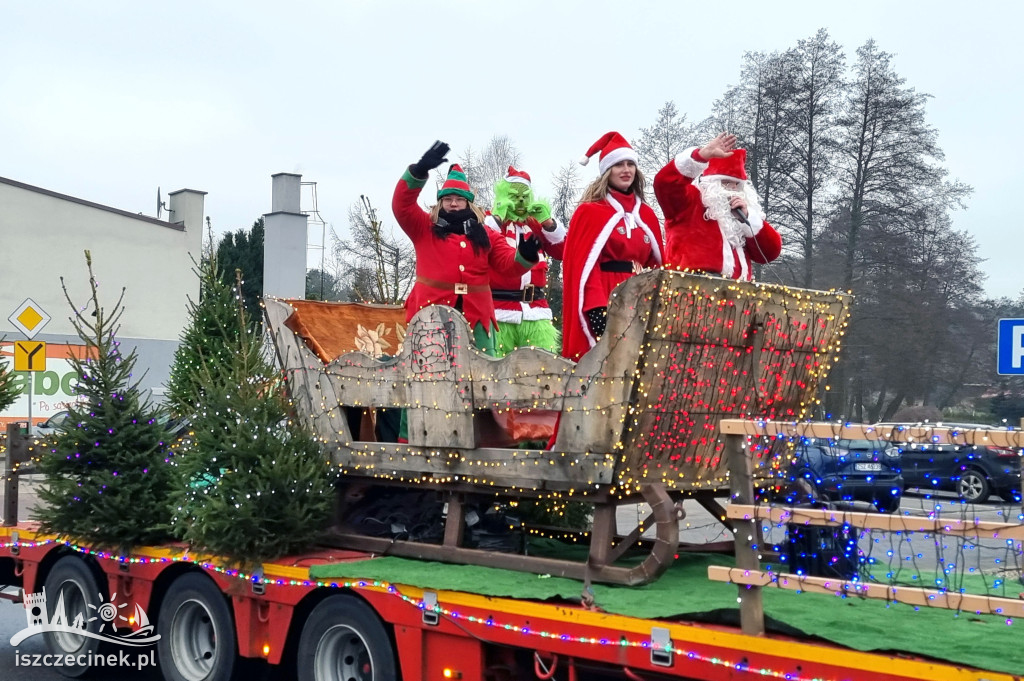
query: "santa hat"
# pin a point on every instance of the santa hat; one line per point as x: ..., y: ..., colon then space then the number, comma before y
x: 614, y: 149
x: 729, y: 168
x: 456, y: 184
x: 520, y: 176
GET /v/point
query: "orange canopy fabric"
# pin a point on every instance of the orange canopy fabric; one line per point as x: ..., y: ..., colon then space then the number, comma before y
x: 332, y: 329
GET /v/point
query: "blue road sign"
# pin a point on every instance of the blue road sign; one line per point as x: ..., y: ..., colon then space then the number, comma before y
x: 1010, y: 347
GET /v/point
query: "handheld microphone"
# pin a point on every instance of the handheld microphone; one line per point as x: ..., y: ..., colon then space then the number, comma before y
x: 741, y: 215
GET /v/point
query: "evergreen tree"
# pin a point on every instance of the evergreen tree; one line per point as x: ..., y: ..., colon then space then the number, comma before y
x: 107, y: 473
x: 8, y: 392
x: 208, y: 337
x: 254, y: 485
x: 243, y: 250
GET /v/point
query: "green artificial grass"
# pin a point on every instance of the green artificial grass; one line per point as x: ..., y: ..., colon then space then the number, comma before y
x: 684, y: 593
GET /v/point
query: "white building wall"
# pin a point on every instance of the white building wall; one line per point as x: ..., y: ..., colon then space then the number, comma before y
x: 43, y: 236
x: 284, y: 239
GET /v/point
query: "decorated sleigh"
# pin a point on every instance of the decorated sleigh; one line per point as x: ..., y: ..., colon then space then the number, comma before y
x: 638, y: 415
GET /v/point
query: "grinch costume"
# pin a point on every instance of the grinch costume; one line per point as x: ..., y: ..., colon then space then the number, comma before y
x: 520, y: 301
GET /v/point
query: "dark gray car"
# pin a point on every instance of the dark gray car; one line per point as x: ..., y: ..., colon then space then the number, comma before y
x: 973, y: 472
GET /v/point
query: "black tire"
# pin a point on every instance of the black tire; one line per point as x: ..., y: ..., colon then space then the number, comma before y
x: 344, y: 640
x: 887, y: 504
x: 73, y: 583
x: 197, y: 633
x: 1010, y: 496
x: 973, y: 486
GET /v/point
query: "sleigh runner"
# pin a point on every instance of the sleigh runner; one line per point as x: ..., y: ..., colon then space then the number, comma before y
x: 638, y: 414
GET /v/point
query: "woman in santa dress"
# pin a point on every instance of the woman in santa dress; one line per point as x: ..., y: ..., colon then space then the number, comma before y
x: 613, y: 234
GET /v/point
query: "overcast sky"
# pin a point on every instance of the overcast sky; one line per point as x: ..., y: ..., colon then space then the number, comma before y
x: 106, y: 101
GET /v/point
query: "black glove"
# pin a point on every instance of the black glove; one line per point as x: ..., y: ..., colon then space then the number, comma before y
x: 430, y: 160
x: 529, y: 248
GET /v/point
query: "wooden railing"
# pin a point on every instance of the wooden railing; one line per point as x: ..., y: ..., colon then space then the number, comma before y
x: 751, y: 579
x: 17, y: 455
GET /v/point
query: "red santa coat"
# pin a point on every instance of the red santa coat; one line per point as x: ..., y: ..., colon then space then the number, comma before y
x: 695, y: 243
x: 620, y: 228
x: 444, y: 264
x: 552, y: 246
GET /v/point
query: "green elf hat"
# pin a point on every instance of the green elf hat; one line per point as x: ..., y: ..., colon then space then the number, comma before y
x: 456, y: 184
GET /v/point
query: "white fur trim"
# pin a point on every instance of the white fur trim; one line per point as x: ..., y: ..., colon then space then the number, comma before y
x: 741, y: 256
x: 617, y: 156
x: 518, y: 180
x: 492, y: 222
x: 591, y: 261
x: 557, y: 235
x: 756, y: 225
x: 535, y: 314
x: 719, y: 178
x: 526, y: 314
x: 728, y: 264
x: 508, y: 316
x: 688, y: 166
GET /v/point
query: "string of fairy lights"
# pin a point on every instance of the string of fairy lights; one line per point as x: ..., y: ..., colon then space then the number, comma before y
x: 710, y: 352
x: 623, y: 641
x: 707, y: 349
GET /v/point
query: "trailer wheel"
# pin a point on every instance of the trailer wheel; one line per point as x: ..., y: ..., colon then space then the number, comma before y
x: 344, y: 640
x: 72, y: 583
x: 197, y: 634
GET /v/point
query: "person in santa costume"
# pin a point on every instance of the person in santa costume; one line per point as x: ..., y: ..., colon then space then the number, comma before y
x: 520, y: 300
x: 613, y: 234
x: 455, y: 253
x: 713, y: 219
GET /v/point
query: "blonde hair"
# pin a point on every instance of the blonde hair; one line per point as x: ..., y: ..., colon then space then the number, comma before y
x: 435, y: 212
x: 598, y: 189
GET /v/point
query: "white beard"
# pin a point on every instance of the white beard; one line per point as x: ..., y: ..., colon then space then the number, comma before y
x: 716, y: 202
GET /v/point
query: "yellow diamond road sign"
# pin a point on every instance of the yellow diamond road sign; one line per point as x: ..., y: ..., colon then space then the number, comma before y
x: 29, y: 318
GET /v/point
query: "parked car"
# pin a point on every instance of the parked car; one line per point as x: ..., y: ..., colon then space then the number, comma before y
x: 824, y: 469
x: 176, y: 428
x: 51, y: 425
x: 973, y: 472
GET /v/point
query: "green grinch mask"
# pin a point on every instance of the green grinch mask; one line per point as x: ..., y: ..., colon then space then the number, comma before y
x: 512, y: 200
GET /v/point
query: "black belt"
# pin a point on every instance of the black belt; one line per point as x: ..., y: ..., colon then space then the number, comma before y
x: 527, y: 295
x: 616, y: 266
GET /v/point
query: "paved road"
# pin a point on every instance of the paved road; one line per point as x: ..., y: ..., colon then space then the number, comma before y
x: 913, y: 551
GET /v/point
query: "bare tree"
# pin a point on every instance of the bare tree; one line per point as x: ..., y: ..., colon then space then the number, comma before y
x: 378, y: 266
x: 815, y: 69
x: 567, y: 186
x: 888, y: 155
x: 663, y: 141
x: 757, y: 111
x: 485, y: 169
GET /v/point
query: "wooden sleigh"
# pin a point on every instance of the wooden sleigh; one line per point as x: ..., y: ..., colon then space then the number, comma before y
x: 639, y: 413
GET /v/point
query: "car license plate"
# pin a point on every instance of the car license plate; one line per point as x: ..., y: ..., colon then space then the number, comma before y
x: 873, y: 467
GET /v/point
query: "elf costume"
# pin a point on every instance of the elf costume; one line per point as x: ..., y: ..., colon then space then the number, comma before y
x: 520, y: 301
x: 456, y: 255
x: 608, y: 242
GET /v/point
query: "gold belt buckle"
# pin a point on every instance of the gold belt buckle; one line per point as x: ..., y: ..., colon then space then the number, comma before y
x: 461, y: 289
x: 529, y: 293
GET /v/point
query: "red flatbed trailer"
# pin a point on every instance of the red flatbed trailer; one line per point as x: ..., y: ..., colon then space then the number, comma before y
x: 212, y: 618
